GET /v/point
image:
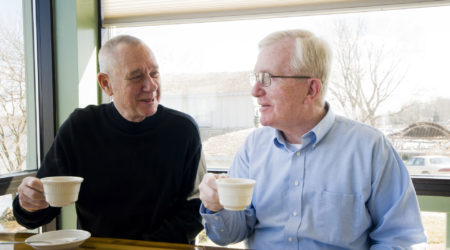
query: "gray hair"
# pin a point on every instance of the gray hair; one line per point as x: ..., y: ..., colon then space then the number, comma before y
x: 106, y: 58
x: 312, y: 57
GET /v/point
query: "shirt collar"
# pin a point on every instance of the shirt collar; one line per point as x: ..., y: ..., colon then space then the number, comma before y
x: 322, y: 128
x: 315, y: 135
x: 278, y: 139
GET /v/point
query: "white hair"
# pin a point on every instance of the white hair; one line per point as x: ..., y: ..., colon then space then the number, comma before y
x: 312, y: 56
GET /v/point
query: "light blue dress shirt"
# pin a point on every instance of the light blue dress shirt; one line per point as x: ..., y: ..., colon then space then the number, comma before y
x: 346, y: 188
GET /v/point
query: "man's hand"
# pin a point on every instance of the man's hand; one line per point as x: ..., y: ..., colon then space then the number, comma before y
x: 31, y: 194
x: 208, y: 191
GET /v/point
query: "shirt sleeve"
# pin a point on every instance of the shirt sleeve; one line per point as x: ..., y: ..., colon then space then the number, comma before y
x: 32, y: 220
x: 226, y: 227
x: 55, y: 163
x: 393, y: 203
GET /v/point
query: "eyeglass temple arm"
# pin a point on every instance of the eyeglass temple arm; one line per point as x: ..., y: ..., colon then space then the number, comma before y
x: 300, y: 77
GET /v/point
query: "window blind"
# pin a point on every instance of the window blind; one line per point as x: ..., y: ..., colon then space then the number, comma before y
x: 147, y: 12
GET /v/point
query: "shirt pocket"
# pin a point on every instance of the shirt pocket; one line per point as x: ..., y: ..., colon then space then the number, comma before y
x: 338, y: 216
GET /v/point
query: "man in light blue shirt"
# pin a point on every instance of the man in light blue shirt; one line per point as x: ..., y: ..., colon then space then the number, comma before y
x: 322, y: 181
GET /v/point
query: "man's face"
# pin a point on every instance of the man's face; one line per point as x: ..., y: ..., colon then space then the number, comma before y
x: 281, y: 103
x: 135, y: 82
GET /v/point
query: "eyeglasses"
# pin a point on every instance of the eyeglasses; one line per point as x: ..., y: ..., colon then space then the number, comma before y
x: 266, y: 79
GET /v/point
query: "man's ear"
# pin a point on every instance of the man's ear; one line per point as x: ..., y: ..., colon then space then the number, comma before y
x: 314, y: 91
x: 105, y: 83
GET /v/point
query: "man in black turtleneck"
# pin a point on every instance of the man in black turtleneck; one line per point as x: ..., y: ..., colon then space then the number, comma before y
x: 139, y: 160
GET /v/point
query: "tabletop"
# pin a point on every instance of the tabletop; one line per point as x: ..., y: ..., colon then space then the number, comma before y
x: 104, y: 243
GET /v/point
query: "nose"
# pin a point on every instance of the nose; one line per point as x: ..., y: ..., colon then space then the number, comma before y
x: 257, y: 89
x: 150, y: 84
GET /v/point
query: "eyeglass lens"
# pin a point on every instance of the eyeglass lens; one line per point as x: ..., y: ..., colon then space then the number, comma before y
x: 262, y: 77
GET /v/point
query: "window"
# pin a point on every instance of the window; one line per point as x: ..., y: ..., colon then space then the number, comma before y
x: 402, y: 53
x: 16, y: 105
x: 13, y: 99
x: 399, y: 55
x: 26, y: 94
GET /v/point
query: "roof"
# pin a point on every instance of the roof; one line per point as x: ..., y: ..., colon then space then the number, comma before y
x: 424, y: 130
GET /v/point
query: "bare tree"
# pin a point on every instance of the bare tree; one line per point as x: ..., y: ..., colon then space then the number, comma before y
x: 13, y: 114
x: 365, y: 75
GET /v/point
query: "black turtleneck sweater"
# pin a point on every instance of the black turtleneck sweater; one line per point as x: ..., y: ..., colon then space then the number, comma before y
x: 137, y: 176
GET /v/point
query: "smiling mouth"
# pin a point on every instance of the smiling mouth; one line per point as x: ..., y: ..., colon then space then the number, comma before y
x: 149, y: 100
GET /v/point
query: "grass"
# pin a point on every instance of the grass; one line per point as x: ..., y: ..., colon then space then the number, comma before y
x: 435, y: 228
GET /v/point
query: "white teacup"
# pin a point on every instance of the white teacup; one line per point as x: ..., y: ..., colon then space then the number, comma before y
x: 235, y: 193
x: 61, y: 191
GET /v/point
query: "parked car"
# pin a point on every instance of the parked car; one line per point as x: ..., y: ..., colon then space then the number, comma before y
x: 428, y: 164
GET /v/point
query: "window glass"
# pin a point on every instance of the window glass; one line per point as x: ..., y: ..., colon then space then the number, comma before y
x: 397, y: 59
x: 7, y: 221
x: 13, y: 89
x: 17, y: 101
x: 440, y: 161
x: 420, y: 162
x: 410, y: 161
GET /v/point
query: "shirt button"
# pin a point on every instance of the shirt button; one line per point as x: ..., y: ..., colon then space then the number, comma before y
x: 290, y: 239
x: 298, y: 153
x: 222, y: 230
x: 216, y: 217
x: 294, y: 213
x: 296, y: 183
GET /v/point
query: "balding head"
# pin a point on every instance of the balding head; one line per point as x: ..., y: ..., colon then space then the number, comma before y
x: 106, y: 55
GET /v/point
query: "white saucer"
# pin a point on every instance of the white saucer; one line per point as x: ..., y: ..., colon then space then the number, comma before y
x: 60, y: 239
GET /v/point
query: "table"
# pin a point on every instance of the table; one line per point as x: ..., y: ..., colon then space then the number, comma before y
x: 97, y: 243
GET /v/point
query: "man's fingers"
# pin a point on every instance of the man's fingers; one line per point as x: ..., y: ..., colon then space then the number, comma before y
x: 34, y: 183
x: 210, y: 181
x: 32, y: 205
x: 208, y: 192
x: 31, y: 194
x: 210, y: 203
x: 221, y: 176
x: 31, y: 188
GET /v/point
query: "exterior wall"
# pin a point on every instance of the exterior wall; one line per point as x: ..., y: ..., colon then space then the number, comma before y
x: 232, y: 107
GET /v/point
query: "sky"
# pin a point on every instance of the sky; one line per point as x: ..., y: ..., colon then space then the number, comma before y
x: 10, y: 17
x: 9, y: 9
x: 419, y: 38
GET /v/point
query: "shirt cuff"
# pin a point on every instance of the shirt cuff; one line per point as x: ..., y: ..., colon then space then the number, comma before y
x: 204, y: 210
